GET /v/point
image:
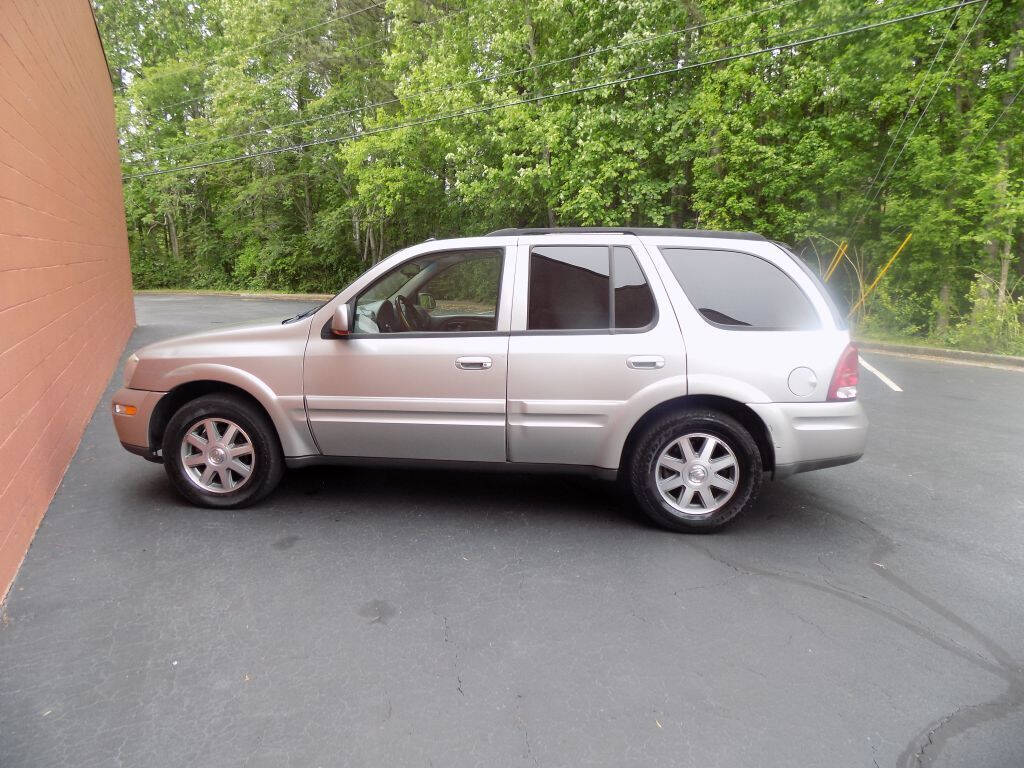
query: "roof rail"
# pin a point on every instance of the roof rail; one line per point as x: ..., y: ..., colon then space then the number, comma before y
x: 640, y: 231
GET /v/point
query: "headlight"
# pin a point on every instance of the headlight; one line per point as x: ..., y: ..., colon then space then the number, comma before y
x: 129, y: 369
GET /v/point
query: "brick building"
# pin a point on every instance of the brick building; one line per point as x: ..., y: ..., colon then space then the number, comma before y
x: 65, y: 283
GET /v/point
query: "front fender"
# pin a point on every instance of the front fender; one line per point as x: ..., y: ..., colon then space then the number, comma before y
x: 287, y: 412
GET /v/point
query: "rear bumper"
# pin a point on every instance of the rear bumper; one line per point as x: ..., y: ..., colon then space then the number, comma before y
x: 133, y: 431
x: 809, y: 436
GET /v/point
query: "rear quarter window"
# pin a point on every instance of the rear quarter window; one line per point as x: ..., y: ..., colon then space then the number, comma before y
x: 740, y: 291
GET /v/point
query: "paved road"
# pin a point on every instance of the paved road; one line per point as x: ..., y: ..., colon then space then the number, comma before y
x: 867, y: 615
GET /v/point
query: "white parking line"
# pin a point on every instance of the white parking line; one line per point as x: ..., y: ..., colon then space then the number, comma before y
x: 885, y: 379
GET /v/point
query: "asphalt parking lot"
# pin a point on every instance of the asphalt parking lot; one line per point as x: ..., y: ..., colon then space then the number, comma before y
x: 867, y: 615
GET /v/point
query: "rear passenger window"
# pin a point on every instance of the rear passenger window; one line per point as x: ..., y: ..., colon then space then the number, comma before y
x: 634, y: 302
x: 740, y: 290
x: 587, y: 287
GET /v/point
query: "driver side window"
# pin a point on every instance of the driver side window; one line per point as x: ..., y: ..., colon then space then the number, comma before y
x: 443, y: 292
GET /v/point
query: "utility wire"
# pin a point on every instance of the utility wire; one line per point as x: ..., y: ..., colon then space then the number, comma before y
x: 920, y: 117
x: 418, y: 95
x: 1006, y: 108
x: 913, y: 101
x: 546, y: 96
x: 486, y: 78
x: 977, y: 145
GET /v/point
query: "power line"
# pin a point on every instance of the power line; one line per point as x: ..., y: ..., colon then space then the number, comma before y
x: 920, y: 117
x: 676, y: 32
x: 321, y: 24
x: 994, y: 122
x: 913, y: 101
x: 546, y: 96
x: 492, y: 78
x: 977, y: 144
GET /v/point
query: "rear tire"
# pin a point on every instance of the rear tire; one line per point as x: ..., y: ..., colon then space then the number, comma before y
x: 221, y: 451
x: 695, y: 471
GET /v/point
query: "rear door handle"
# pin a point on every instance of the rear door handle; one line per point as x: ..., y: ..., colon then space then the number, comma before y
x: 473, y: 363
x: 646, y: 362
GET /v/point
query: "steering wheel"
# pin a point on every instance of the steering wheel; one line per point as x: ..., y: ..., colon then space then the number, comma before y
x: 408, y: 316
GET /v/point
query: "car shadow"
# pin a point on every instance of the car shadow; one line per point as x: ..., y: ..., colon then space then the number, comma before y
x: 337, y: 493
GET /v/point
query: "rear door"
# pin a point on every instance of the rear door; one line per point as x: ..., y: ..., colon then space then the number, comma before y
x: 588, y: 342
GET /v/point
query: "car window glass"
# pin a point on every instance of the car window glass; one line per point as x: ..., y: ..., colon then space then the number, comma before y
x: 468, y: 286
x: 569, y: 287
x: 452, y: 291
x: 392, y: 281
x: 634, y: 302
x: 740, y: 290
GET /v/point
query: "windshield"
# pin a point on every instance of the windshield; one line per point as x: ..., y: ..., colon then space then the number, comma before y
x: 393, y: 282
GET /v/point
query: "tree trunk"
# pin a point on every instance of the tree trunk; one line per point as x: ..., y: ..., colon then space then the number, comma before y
x: 1004, y: 274
x: 942, y: 322
x: 371, y: 245
x: 307, y: 211
x: 172, y: 236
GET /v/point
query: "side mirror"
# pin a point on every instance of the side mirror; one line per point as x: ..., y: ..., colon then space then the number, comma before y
x: 427, y: 301
x: 341, y: 320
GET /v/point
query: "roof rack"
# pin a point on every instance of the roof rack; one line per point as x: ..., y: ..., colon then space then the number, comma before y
x: 640, y: 231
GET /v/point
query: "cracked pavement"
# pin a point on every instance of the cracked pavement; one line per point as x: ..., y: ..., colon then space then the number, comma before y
x: 867, y: 615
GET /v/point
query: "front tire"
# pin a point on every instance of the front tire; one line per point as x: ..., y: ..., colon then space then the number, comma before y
x: 220, y: 451
x: 695, y: 471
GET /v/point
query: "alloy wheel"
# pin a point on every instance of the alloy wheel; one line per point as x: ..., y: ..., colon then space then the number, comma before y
x: 697, y: 474
x: 217, y: 455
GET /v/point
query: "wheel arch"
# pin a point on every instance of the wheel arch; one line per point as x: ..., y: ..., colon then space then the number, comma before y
x: 739, y: 411
x: 169, y: 404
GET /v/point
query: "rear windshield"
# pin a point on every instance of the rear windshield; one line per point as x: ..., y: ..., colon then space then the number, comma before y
x: 740, y: 291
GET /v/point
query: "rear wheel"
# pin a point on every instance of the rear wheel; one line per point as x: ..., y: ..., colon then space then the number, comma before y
x: 695, y: 471
x: 221, y: 451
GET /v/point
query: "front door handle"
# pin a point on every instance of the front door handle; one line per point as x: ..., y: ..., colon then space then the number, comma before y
x: 473, y: 363
x: 646, y: 362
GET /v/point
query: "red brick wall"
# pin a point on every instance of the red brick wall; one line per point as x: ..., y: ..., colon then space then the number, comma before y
x: 65, y: 285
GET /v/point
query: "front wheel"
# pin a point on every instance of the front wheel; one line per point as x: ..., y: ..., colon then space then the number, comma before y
x: 221, y: 451
x: 695, y: 471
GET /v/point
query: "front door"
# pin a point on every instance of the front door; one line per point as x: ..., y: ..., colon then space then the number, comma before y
x: 422, y: 376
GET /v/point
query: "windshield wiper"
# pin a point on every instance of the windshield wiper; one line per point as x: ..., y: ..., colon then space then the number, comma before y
x: 302, y: 315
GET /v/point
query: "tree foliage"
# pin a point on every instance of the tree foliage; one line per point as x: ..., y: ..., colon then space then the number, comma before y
x: 911, y: 127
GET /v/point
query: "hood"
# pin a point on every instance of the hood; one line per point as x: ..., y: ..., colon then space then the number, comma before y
x: 262, y: 348
x: 270, y: 326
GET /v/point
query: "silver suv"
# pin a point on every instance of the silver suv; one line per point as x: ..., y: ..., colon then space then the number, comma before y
x: 687, y: 363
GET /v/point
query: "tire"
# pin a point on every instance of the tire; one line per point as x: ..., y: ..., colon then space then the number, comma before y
x: 216, y: 477
x: 690, y: 478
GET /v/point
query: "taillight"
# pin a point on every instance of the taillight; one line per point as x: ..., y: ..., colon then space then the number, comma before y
x: 844, y: 380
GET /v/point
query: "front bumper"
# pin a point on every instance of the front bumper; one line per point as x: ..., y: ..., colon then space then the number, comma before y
x: 810, y: 436
x: 133, y: 431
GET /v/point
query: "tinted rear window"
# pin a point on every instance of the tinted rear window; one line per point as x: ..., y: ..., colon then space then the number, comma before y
x: 572, y: 287
x: 634, y: 303
x: 568, y: 288
x: 739, y: 290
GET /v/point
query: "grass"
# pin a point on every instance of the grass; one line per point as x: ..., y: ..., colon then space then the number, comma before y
x: 920, y: 341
